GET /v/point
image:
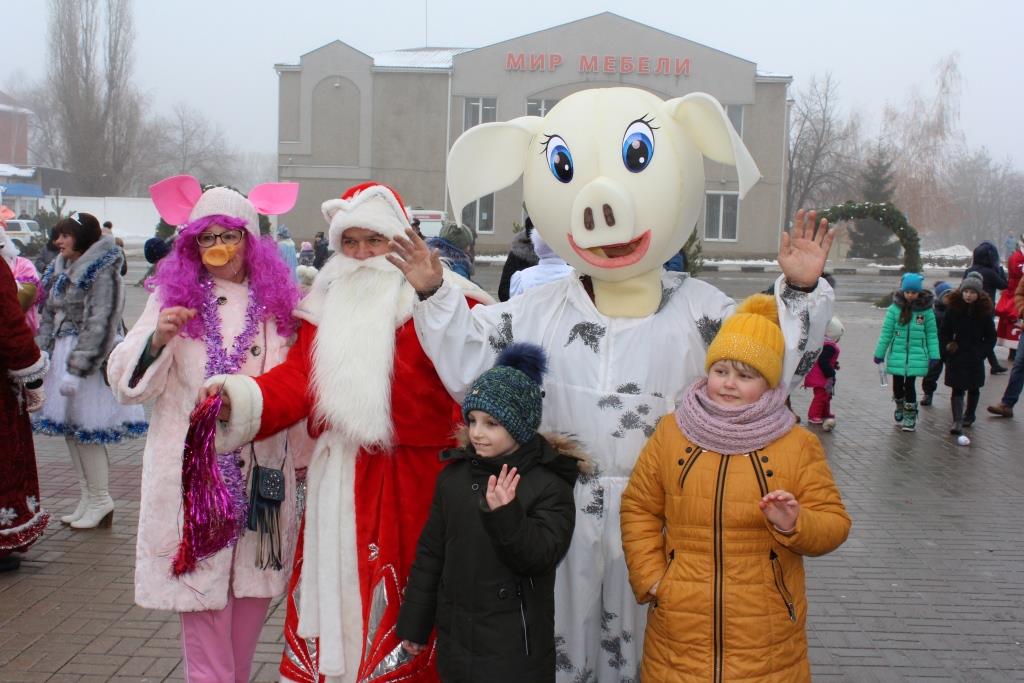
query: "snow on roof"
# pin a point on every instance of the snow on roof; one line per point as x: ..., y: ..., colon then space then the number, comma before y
x: 8, y: 171
x: 418, y: 58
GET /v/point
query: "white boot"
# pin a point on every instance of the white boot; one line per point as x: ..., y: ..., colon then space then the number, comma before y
x: 83, y: 498
x: 100, y: 510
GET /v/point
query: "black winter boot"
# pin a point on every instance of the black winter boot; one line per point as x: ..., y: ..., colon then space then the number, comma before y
x: 957, y: 402
x: 926, y: 400
x: 971, y: 409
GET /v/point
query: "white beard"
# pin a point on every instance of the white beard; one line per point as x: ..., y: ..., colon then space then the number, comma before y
x: 353, y: 354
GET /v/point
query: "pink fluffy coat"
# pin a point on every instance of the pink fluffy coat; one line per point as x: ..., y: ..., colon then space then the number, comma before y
x: 173, y: 381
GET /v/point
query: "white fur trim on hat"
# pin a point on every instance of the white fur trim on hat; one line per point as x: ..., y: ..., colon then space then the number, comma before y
x: 225, y: 201
x: 375, y: 208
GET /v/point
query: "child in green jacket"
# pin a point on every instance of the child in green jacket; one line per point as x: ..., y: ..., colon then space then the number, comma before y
x: 909, y: 345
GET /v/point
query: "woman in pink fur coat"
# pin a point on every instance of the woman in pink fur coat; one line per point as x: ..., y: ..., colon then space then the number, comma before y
x: 222, y: 299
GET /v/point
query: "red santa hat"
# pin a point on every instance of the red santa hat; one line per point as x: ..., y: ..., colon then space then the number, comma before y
x: 372, y: 205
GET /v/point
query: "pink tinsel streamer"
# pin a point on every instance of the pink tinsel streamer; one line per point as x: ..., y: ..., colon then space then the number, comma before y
x: 214, y: 499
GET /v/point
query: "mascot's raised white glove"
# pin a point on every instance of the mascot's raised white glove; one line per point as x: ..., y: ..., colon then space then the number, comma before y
x: 69, y: 385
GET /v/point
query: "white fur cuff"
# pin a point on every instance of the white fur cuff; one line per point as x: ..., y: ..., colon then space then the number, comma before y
x: 246, y: 411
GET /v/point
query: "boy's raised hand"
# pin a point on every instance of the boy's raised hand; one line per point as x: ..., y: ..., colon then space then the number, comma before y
x: 413, y: 648
x: 501, y: 490
x: 781, y: 508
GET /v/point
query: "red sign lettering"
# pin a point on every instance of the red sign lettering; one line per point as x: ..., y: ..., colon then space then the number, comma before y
x: 609, y: 64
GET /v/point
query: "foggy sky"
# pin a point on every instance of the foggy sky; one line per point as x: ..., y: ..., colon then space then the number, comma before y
x: 218, y: 55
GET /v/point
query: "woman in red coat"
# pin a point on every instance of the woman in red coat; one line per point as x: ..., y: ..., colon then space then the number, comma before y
x: 1007, y: 331
x: 22, y: 368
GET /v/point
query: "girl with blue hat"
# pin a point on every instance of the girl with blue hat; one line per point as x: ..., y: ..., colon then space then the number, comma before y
x: 908, y: 344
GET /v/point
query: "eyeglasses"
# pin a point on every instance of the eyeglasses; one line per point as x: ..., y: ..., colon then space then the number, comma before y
x: 228, y: 237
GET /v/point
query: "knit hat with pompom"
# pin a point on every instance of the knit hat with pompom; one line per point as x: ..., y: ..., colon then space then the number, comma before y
x: 752, y: 336
x: 510, y: 392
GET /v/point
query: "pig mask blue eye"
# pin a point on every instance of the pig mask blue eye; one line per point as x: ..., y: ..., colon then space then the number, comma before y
x: 638, y: 146
x: 559, y: 158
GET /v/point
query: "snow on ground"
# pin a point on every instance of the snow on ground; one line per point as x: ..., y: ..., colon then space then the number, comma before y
x: 955, y: 251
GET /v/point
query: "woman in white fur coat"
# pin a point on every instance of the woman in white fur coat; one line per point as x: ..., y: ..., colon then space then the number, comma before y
x: 222, y: 299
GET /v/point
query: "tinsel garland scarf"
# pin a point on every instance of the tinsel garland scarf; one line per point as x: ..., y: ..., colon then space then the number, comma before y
x: 213, y: 492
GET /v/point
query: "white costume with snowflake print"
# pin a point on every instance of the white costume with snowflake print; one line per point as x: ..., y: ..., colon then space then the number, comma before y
x: 609, y: 381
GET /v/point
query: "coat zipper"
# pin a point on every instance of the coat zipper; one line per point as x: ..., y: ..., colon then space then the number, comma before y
x: 688, y: 466
x: 780, y: 585
x: 719, y: 555
x: 522, y: 618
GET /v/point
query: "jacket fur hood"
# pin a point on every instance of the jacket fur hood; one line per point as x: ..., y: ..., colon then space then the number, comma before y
x: 982, y: 308
x: 923, y: 301
x: 986, y: 254
x: 564, y: 445
x: 522, y: 246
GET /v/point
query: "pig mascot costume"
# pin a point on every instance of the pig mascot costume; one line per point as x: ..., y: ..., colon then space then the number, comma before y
x: 614, y: 181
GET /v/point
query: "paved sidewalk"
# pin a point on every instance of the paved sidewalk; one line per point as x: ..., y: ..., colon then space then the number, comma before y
x: 930, y: 585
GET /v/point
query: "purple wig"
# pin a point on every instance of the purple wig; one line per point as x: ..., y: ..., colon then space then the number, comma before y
x: 178, y: 275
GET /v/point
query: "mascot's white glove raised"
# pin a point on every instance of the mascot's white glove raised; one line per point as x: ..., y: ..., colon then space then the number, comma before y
x: 69, y: 385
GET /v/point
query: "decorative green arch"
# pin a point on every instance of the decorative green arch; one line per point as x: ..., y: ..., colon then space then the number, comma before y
x: 889, y: 216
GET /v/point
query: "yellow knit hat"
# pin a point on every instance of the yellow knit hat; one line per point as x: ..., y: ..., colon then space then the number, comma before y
x: 752, y: 335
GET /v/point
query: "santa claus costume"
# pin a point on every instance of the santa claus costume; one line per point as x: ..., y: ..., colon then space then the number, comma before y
x: 22, y: 520
x: 1007, y: 332
x: 381, y: 416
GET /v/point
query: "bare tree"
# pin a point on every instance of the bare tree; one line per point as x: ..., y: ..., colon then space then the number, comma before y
x: 987, y: 196
x: 925, y: 139
x: 196, y: 147
x: 824, y: 149
x: 95, y: 113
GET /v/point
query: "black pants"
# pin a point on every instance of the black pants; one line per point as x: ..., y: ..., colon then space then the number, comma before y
x: 903, y: 388
x: 931, y: 380
x: 993, y: 359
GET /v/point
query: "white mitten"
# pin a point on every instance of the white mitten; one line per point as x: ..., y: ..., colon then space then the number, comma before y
x: 69, y: 385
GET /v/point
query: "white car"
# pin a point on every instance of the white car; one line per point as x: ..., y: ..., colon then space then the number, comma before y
x: 21, y: 232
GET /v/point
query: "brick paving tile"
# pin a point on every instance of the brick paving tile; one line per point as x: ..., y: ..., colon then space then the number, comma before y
x: 929, y: 586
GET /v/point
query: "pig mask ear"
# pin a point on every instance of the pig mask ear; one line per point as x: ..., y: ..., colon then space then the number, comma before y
x: 705, y: 124
x: 273, y: 199
x: 487, y: 158
x: 175, y: 197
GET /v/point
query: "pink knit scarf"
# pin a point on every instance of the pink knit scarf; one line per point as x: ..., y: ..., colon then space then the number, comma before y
x: 729, y: 431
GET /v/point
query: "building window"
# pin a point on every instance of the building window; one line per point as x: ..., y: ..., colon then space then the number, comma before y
x: 479, y: 215
x: 735, y: 114
x: 539, y: 107
x: 721, y: 216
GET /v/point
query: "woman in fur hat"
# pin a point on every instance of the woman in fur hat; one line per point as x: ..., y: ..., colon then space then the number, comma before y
x: 79, y: 327
x: 967, y: 336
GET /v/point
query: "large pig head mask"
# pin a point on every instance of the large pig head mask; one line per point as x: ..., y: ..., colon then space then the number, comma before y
x: 613, y: 178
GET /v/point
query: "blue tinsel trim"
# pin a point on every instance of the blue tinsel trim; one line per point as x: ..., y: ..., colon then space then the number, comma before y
x: 127, y: 430
x: 89, y: 276
x: 48, y: 275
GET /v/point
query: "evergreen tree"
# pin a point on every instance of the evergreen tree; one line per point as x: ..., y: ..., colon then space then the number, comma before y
x: 868, y: 237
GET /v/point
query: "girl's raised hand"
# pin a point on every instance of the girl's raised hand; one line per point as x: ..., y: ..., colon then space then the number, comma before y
x: 501, y: 490
x: 781, y: 508
x: 413, y: 648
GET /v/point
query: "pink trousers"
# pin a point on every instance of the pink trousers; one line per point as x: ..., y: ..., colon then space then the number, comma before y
x: 821, y: 406
x: 219, y: 644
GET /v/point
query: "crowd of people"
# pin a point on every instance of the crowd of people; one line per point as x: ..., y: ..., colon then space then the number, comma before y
x: 341, y: 371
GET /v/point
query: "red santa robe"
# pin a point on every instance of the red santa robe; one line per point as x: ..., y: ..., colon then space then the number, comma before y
x: 380, y: 415
x: 22, y: 520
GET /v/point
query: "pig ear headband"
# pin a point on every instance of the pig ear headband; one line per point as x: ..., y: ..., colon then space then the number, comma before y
x: 272, y: 199
x: 175, y: 197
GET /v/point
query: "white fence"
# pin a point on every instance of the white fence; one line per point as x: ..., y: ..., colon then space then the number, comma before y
x: 134, y: 218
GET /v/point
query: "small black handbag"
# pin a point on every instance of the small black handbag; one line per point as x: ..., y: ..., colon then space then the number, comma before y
x: 266, y: 493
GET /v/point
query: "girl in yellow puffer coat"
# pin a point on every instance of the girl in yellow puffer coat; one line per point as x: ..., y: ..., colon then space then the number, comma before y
x: 725, y: 499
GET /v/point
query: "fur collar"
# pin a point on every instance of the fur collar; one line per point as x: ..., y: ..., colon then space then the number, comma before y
x: 522, y: 246
x: 923, y: 301
x: 81, y: 272
x: 564, y: 445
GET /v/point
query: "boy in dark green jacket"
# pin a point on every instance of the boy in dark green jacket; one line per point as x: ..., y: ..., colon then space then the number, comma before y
x: 501, y: 520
